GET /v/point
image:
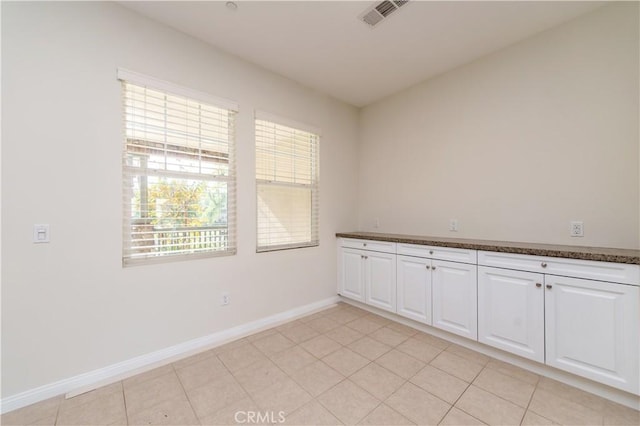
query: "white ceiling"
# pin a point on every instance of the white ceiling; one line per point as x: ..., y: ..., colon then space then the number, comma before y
x: 323, y: 45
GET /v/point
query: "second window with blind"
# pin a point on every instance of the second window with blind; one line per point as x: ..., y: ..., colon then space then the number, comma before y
x: 287, y: 184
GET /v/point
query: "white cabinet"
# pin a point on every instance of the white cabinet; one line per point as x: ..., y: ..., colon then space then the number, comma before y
x: 511, y: 311
x: 579, y: 316
x: 589, y: 328
x: 380, y: 280
x: 414, y: 288
x: 368, y: 276
x: 437, y: 286
x: 592, y: 330
x: 351, y: 274
x: 455, y: 296
x: 577, y: 324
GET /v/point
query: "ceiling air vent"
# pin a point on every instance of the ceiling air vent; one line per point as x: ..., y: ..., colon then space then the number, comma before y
x: 386, y: 8
x: 378, y: 12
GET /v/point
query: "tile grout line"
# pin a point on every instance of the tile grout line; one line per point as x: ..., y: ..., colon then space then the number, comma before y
x: 315, y: 398
x: 569, y: 399
x: 243, y: 388
x: 346, y: 377
x: 331, y: 388
x: 124, y: 399
x: 281, y: 370
x: 461, y: 393
x: 392, y: 393
x: 186, y: 394
x: 76, y: 407
x: 55, y: 421
x: 526, y: 410
x: 251, y: 364
x: 405, y: 380
x: 148, y: 380
x: 503, y: 399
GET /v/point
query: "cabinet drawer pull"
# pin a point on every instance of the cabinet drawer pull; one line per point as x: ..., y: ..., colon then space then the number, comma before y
x: 428, y: 267
x: 366, y: 257
x: 543, y: 264
x: 549, y: 286
x: 433, y: 267
x: 430, y: 251
x: 538, y: 285
x: 364, y: 244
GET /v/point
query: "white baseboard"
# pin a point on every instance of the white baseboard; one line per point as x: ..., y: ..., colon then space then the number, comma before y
x: 94, y: 379
x: 604, y: 391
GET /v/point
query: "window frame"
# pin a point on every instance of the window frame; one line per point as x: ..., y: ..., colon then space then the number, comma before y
x: 129, y: 172
x: 314, y: 186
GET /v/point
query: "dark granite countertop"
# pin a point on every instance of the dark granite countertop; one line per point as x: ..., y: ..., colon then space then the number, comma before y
x: 601, y: 254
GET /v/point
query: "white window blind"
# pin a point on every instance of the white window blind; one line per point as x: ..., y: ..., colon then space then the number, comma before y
x: 287, y: 174
x: 179, y: 176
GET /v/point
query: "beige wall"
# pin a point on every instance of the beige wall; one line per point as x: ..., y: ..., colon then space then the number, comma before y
x: 517, y: 144
x: 69, y: 307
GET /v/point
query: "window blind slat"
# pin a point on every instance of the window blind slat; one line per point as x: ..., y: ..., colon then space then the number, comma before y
x: 178, y: 176
x: 287, y: 182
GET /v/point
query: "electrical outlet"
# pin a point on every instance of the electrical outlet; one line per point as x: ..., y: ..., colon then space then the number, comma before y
x: 453, y: 225
x: 577, y: 229
x: 225, y: 299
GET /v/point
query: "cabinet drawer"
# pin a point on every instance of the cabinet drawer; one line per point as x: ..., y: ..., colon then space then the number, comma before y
x: 601, y: 271
x: 440, y: 253
x: 382, y: 246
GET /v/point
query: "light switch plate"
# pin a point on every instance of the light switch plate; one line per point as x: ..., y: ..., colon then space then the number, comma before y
x: 41, y: 233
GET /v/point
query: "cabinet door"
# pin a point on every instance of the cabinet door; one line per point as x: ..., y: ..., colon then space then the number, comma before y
x: 414, y: 288
x: 592, y: 330
x: 455, y: 293
x: 511, y: 311
x: 380, y: 279
x: 352, y: 274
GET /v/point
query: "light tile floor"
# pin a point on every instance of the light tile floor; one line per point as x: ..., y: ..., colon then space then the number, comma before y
x: 339, y: 366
